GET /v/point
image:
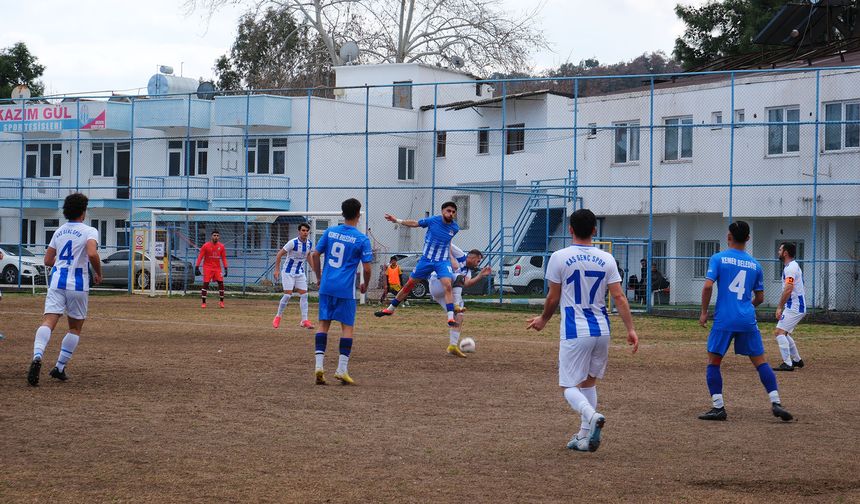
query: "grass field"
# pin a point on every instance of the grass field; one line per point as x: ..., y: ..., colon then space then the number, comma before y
x: 170, y: 403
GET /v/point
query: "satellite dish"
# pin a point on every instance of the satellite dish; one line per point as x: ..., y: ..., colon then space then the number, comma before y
x: 457, y: 61
x: 349, y: 52
x: 166, y: 69
x: 206, y: 91
x: 20, y: 92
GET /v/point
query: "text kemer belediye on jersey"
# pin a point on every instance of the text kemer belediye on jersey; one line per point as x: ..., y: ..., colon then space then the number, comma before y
x: 739, y: 262
x: 343, y: 238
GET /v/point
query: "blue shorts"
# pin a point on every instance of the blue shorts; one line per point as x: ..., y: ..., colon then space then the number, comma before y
x: 340, y: 309
x: 746, y: 342
x: 425, y: 267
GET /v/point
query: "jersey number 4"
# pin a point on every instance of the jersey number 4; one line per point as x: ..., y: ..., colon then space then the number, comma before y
x: 737, y: 285
x: 66, y: 253
x: 576, y: 279
x: 336, y: 259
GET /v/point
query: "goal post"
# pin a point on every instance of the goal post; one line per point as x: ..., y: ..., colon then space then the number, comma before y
x: 251, y: 237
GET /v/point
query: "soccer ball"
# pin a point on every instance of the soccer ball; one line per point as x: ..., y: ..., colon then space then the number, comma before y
x: 467, y: 345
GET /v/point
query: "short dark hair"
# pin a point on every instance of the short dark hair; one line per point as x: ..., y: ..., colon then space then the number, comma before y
x: 75, y: 205
x: 583, y: 223
x: 216, y: 232
x: 449, y: 204
x: 789, y: 248
x: 476, y: 252
x: 305, y: 225
x: 351, y: 208
x: 393, y: 258
x: 740, y: 231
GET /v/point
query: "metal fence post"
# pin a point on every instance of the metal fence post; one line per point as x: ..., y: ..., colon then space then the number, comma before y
x: 308, y: 155
x: 732, y: 149
x: 433, y: 148
x: 815, y: 189
x: 502, y: 191
x: 648, y: 305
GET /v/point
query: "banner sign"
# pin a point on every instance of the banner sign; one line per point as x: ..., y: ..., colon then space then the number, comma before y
x: 24, y: 118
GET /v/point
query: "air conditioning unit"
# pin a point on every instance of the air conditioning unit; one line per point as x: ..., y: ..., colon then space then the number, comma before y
x: 41, y: 188
x: 339, y: 92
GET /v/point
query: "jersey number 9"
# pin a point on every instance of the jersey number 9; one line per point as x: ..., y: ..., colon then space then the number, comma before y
x: 336, y: 259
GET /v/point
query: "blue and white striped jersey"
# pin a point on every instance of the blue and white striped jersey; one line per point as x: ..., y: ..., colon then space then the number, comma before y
x: 71, y: 268
x: 460, y: 258
x: 584, y: 273
x: 793, y: 275
x: 296, y: 255
x: 438, y: 237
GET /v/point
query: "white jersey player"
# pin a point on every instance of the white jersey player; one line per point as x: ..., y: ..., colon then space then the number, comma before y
x: 462, y: 264
x: 579, y: 277
x: 793, y: 300
x: 293, y: 275
x: 73, y: 249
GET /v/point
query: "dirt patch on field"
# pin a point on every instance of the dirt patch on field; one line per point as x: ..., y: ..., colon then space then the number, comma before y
x: 171, y: 403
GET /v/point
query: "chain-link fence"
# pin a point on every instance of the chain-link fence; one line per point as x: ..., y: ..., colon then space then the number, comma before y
x: 665, y: 161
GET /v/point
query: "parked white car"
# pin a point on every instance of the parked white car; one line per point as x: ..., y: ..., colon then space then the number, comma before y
x: 522, y: 274
x: 30, y: 264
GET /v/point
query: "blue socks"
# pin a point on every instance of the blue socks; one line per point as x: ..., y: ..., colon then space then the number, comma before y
x: 449, y: 307
x: 715, y: 379
x: 345, y: 346
x: 768, y: 379
x: 321, y: 342
x: 395, y: 302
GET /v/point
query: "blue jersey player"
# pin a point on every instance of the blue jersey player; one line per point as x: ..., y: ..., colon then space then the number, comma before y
x: 740, y: 288
x: 344, y: 247
x: 435, y: 257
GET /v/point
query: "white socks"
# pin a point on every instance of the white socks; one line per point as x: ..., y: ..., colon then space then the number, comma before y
x: 774, y: 396
x: 590, y: 393
x: 43, y: 336
x: 579, y: 402
x: 454, y: 336
x: 794, y: 353
x: 70, y: 342
x: 784, y: 348
x: 717, y: 399
x: 319, y: 357
x: 303, y: 304
x: 283, y: 304
x: 343, y: 361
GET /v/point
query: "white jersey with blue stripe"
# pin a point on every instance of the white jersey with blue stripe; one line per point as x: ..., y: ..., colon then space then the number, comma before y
x: 296, y: 252
x: 584, y: 273
x: 460, y: 258
x: 71, y: 268
x: 793, y: 274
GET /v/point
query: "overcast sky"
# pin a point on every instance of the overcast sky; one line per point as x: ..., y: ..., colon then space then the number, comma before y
x: 88, y: 47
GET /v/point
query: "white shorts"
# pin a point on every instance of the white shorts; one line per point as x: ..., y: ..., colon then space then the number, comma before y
x: 72, y: 303
x: 294, y: 282
x: 580, y: 358
x: 437, y: 292
x: 789, y: 320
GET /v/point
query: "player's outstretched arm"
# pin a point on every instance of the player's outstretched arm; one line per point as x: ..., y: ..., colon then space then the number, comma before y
x: 403, y: 222
x: 95, y: 260
x: 707, y: 291
x: 623, y: 307
x: 550, y: 305
x: 486, y: 271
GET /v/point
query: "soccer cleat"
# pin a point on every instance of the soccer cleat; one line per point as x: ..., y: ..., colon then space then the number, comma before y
x: 220, y: 304
x: 307, y: 324
x: 276, y: 322
x: 203, y: 304
x: 383, y: 313
x: 714, y: 414
x: 780, y: 413
x: 577, y: 443
x: 784, y: 367
x: 798, y: 363
x: 453, y: 323
x: 320, y: 377
x: 597, y: 422
x: 60, y: 375
x: 344, y: 378
x: 459, y: 309
x: 455, y: 351
x: 33, y: 372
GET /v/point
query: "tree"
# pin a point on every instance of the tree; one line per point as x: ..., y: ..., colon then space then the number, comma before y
x: 721, y: 28
x: 18, y: 66
x: 272, y: 51
x: 426, y: 31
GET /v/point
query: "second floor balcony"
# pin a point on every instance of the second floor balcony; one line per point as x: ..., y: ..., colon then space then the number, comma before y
x: 254, y: 192
x: 29, y: 192
x: 191, y: 193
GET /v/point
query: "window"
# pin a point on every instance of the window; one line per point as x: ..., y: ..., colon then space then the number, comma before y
x: 783, y: 130
x: 678, y: 139
x: 740, y: 117
x: 101, y: 227
x: 716, y: 120
x: 105, y: 156
x: 841, y: 133
x: 43, y: 160
x: 441, y: 138
x: 28, y: 232
x: 516, y: 138
x: 51, y: 225
x: 405, y: 163
x: 267, y: 155
x: 121, y: 233
x: 798, y: 245
x: 402, y: 94
x: 703, y: 249
x: 192, y: 154
x: 320, y: 225
x: 479, y: 90
x: 462, y: 203
x: 626, y: 142
x: 592, y: 130
x: 659, y: 250
x: 536, y: 261
x: 484, y: 140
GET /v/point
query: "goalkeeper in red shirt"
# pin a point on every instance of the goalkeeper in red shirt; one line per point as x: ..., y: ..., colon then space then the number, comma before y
x: 211, y: 255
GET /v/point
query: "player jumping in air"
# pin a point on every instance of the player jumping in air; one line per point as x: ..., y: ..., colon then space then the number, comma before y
x: 212, y: 253
x: 73, y: 249
x: 740, y: 288
x: 293, y: 276
x: 795, y: 308
x: 344, y: 247
x: 463, y: 264
x: 579, y: 277
x: 440, y: 230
